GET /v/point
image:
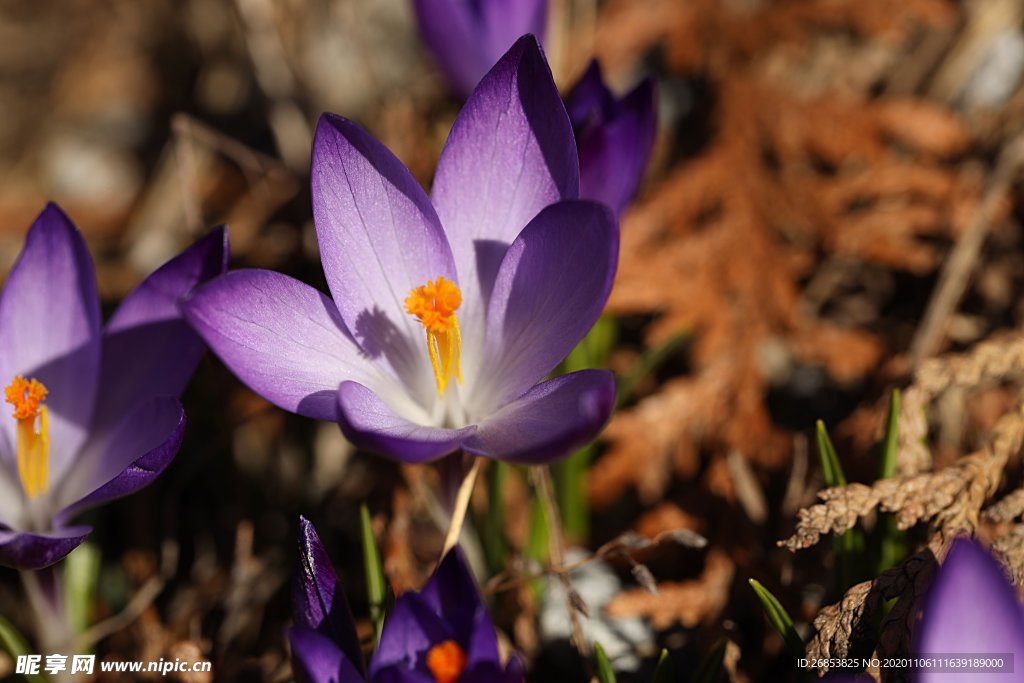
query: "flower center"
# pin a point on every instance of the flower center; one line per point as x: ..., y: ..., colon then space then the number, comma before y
x: 27, y: 396
x: 434, y: 305
x: 446, y: 661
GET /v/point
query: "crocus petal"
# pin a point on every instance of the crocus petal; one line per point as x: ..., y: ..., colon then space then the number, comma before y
x: 397, y: 674
x: 370, y: 423
x: 505, y: 22
x: 409, y: 632
x: 452, y: 32
x: 131, y: 456
x: 589, y: 98
x: 971, y: 609
x: 549, y: 421
x: 453, y: 595
x: 492, y: 672
x: 317, y: 659
x: 379, y: 238
x: 281, y: 337
x: 317, y: 602
x: 24, y: 550
x: 468, y: 37
x: 510, y: 153
x: 614, y: 152
x: 550, y: 290
x: 148, y: 348
x: 50, y: 330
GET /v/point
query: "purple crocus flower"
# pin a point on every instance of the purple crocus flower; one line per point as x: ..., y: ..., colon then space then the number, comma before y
x: 615, y: 137
x: 440, y: 635
x: 444, y: 316
x: 467, y: 37
x: 94, y: 413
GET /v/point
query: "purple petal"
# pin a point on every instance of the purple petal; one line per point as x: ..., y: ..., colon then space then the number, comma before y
x: 453, y: 595
x: 370, y: 423
x: 492, y: 672
x: 549, y: 421
x: 316, y: 659
x: 589, y: 98
x: 148, y: 348
x: 131, y: 456
x: 281, y: 337
x: 50, y: 330
x: 317, y: 602
x: 24, y: 550
x: 510, y: 153
x: 409, y: 632
x: 505, y: 22
x: 972, y: 608
x: 468, y: 37
x: 451, y: 30
x: 614, y: 152
x: 379, y: 238
x: 550, y: 290
x: 396, y: 674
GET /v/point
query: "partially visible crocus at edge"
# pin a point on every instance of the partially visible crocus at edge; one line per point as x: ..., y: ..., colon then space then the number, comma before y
x: 614, y: 136
x: 447, y: 313
x: 467, y: 37
x: 971, y: 610
x: 92, y: 411
x: 441, y: 634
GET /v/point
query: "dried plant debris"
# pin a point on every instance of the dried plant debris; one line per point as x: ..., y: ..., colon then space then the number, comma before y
x: 1007, y: 509
x: 996, y: 360
x: 844, y: 630
x: 951, y: 498
x: 796, y: 177
x: 684, y: 602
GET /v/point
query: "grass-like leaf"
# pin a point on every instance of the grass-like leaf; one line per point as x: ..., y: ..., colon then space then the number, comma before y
x: 830, y: 467
x: 710, y: 668
x: 376, y: 583
x: 648, y: 363
x: 605, y: 674
x: 81, y: 576
x: 665, y: 672
x: 779, y: 618
x: 16, y: 646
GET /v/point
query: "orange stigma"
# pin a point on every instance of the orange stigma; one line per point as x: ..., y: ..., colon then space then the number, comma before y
x: 446, y: 661
x: 27, y: 396
x: 434, y: 305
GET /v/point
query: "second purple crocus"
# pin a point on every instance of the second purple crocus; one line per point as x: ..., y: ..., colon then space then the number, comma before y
x: 92, y: 411
x: 615, y: 137
x: 441, y: 634
x: 468, y: 37
x: 447, y: 313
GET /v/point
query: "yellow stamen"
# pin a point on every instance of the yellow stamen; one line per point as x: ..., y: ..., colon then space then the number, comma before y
x: 33, y: 433
x: 434, y: 305
x: 446, y: 661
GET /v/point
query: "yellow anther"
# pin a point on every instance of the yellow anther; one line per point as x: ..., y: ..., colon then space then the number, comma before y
x: 27, y: 397
x: 434, y: 305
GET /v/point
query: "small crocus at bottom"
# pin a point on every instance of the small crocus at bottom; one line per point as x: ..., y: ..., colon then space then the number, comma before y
x: 441, y: 634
